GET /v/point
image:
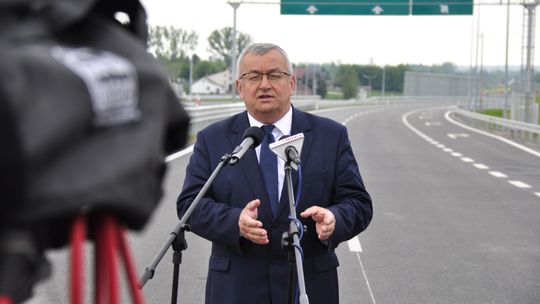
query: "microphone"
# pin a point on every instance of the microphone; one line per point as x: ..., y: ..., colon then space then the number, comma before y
x: 252, y: 138
x: 289, y: 148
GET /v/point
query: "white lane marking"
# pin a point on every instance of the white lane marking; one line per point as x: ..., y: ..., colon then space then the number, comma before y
x: 456, y: 135
x: 481, y: 166
x: 514, y: 144
x: 520, y: 184
x: 434, y: 123
x: 346, y: 121
x: 498, y: 174
x: 179, y: 154
x: 440, y: 146
x: 365, y: 277
x: 448, y: 150
x: 354, y: 245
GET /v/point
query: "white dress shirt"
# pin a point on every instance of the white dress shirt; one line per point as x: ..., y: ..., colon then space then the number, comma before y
x: 281, y: 128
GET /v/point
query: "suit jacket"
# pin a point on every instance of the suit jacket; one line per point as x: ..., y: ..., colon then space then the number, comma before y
x: 243, y: 272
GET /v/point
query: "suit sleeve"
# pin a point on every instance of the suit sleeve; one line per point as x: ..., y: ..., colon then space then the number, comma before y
x: 212, y: 220
x: 351, y: 206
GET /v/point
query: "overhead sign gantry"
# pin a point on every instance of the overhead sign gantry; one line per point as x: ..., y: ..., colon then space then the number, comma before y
x: 376, y: 7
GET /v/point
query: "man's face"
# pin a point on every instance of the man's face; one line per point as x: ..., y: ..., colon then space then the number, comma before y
x: 267, y: 98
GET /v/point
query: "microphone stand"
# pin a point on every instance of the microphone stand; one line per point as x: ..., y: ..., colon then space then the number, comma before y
x: 177, y: 236
x: 291, y: 239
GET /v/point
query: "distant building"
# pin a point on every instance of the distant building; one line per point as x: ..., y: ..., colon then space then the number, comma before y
x: 218, y: 83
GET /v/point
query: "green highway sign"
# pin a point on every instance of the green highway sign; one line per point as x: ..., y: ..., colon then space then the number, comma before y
x: 344, y: 7
x: 376, y: 7
x: 448, y: 7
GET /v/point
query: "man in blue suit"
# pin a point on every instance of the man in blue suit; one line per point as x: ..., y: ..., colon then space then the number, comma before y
x: 248, y: 263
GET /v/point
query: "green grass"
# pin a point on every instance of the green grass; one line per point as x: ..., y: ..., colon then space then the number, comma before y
x: 492, y: 112
x: 334, y: 95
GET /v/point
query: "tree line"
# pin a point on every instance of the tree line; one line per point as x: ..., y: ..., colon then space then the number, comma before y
x: 175, y: 49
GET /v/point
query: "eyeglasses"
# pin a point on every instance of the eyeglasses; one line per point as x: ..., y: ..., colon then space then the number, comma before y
x: 256, y: 77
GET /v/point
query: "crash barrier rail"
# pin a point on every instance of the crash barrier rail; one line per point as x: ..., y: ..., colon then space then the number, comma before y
x: 509, y: 128
x: 204, y: 115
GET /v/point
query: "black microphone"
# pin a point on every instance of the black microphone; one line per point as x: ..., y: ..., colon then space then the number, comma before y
x: 288, y: 148
x: 292, y: 154
x: 252, y: 138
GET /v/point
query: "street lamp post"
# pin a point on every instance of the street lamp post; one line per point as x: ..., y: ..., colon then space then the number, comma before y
x: 529, y: 94
x: 505, y: 111
x: 192, y: 53
x: 232, y: 77
x: 383, y: 86
x: 369, y: 82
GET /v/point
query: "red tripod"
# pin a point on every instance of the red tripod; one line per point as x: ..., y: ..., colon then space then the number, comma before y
x: 110, y: 240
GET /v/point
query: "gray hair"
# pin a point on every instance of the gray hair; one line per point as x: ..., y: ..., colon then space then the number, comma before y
x: 261, y: 49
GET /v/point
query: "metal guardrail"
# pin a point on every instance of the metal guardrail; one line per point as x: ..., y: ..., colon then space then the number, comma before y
x: 507, y: 123
x: 512, y: 128
x: 204, y: 115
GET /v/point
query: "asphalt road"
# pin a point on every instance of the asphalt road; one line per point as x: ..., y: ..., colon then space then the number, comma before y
x: 456, y: 218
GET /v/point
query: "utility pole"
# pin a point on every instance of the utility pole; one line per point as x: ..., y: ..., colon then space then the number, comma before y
x: 476, y: 82
x: 234, y: 54
x: 369, y: 83
x: 529, y: 95
x: 481, y: 71
x: 383, y: 85
x: 505, y: 111
x: 190, y: 72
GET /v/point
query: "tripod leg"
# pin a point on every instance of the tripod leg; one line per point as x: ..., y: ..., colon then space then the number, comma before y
x: 109, y: 228
x: 136, y: 293
x: 179, y: 244
x: 78, y: 236
x: 176, y: 273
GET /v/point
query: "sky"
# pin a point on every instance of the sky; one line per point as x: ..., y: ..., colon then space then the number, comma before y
x: 378, y: 40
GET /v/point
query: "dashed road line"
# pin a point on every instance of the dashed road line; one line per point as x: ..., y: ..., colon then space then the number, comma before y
x: 479, y: 166
x: 365, y: 277
x: 354, y: 245
x: 520, y: 184
x: 346, y: 121
x: 507, y: 141
x: 498, y: 174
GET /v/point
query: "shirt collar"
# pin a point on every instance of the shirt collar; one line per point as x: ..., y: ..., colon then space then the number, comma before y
x: 281, y: 127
